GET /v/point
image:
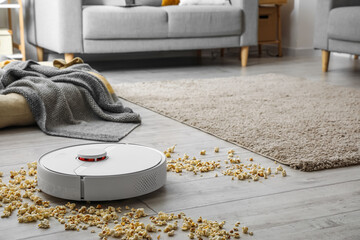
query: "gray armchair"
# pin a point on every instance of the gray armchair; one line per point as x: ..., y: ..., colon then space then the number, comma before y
x: 337, y: 28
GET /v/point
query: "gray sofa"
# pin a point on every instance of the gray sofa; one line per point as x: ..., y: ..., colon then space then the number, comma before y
x: 97, y: 26
x: 337, y: 28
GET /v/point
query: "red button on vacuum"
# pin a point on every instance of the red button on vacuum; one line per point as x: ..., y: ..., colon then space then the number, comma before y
x: 92, y: 155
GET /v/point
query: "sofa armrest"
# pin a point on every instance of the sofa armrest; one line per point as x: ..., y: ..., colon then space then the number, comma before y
x: 250, y: 23
x: 323, y: 9
x: 55, y: 24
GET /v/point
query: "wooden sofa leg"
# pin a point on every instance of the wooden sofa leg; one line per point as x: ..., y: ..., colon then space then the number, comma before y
x: 356, y: 57
x: 325, y: 60
x: 69, y: 57
x: 244, y: 53
x: 40, y: 54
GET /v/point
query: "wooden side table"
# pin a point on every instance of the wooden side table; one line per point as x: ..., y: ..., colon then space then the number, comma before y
x: 18, y: 5
x: 275, y: 37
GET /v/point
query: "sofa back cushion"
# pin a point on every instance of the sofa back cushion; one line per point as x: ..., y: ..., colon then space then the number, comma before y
x: 154, y: 3
x: 104, y: 2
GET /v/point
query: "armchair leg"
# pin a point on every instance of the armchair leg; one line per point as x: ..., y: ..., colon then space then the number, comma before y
x: 69, y: 57
x: 244, y: 53
x: 356, y: 57
x: 325, y: 60
x: 40, y: 54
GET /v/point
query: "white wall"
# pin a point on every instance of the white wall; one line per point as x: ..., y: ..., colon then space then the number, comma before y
x: 298, y: 18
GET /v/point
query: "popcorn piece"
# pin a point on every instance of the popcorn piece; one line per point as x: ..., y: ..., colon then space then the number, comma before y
x: 216, y: 149
x: 44, y: 224
x: 171, y: 233
x: 70, y: 226
x: 32, y: 165
x: 231, y: 151
x: 151, y: 228
x: 245, y: 229
x: 283, y: 173
x: 203, y: 152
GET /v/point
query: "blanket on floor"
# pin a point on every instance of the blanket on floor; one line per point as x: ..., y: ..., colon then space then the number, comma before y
x: 69, y: 102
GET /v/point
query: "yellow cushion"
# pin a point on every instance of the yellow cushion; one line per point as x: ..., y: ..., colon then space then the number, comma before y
x: 61, y: 64
x: 4, y: 63
x: 105, y: 82
x: 170, y: 2
x: 14, y: 111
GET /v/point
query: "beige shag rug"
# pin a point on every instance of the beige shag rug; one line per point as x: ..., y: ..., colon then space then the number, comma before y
x: 307, y: 125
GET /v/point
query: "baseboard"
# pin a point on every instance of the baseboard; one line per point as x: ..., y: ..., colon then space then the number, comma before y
x: 272, y: 50
x: 301, y: 52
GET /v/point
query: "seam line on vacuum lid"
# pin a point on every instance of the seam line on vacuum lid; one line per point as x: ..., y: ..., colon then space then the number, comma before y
x: 82, y: 190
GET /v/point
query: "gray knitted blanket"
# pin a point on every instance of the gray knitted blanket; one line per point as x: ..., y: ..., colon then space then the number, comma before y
x: 69, y: 102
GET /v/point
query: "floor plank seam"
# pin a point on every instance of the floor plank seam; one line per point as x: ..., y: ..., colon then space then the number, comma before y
x: 147, y: 205
x: 260, y: 196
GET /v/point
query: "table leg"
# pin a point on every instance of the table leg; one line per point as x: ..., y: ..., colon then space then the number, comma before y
x: 21, y: 26
x: 279, y: 30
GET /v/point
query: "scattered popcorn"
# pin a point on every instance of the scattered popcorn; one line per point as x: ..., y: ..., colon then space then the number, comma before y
x: 21, y: 195
x: 283, y: 173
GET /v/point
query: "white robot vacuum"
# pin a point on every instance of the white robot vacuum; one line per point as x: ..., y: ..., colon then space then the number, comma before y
x: 101, y: 172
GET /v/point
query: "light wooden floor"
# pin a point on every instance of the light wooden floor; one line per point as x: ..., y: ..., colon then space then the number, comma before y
x: 316, y: 205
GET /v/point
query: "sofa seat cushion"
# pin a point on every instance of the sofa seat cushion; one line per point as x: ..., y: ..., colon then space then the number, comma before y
x: 344, y: 24
x: 110, y: 22
x: 204, y: 21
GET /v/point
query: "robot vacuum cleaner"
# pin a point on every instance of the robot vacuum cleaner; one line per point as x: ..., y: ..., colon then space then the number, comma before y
x: 101, y: 172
